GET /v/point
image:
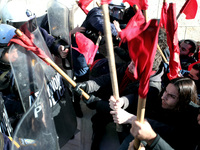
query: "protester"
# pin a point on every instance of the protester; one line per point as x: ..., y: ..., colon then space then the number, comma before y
x: 194, y: 74
x: 177, y: 112
x: 187, y: 48
x: 101, y: 87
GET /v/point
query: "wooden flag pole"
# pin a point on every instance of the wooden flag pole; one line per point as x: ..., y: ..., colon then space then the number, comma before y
x: 111, y: 57
x: 163, y: 56
x: 142, y: 101
x: 140, y: 117
x: 141, y: 106
x: 59, y: 70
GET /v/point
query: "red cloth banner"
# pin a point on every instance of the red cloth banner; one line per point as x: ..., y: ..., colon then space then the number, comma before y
x: 163, y: 18
x: 83, y: 5
x: 86, y: 47
x: 142, y: 41
x: 172, y: 41
x: 26, y: 41
x: 189, y: 9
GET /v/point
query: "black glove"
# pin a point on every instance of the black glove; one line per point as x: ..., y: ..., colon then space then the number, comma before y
x: 91, y: 99
x: 91, y: 102
x: 79, y: 86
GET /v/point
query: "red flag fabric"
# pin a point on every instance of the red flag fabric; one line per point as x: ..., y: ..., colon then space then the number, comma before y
x: 86, y: 47
x: 172, y: 41
x: 191, y: 65
x: 83, y: 5
x: 26, y: 41
x: 142, y: 46
x: 105, y: 2
x: 189, y: 9
x: 142, y: 4
x: 163, y: 18
x: 134, y: 27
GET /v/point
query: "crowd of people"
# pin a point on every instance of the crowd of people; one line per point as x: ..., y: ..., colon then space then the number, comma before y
x: 172, y: 112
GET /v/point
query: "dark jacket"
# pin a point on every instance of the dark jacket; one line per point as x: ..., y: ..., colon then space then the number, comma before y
x: 94, y: 21
x: 175, y: 127
x: 159, y: 144
x: 102, y: 84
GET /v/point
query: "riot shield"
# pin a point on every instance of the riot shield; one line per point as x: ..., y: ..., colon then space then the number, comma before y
x: 59, y: 26
x: 56, y: 89
x: 58, y: 19
x: 36, y: 129
x: 5, y: 125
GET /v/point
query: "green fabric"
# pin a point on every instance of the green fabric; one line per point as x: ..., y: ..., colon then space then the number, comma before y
x: 4, y: 82
x: 1, y: 141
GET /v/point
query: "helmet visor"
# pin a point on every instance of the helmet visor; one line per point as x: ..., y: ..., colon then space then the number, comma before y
x: 116, y: 11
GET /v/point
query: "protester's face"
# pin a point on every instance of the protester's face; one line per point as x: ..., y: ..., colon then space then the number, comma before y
x: 184, y: 48
x: 131, y: 67
x: 170, y: 97
x: 194, y: 74
x: 12, y: 56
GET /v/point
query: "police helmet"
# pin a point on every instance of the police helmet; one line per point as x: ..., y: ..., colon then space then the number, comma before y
x: 6, y: 33
x: 15, y: 13
x: 116, y: 9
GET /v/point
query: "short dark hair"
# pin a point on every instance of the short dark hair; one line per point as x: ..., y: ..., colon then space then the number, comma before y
x: 192, y: 43
x: 197, y: 67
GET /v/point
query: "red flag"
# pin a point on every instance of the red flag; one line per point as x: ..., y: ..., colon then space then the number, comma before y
x: 142, y: 4
x: 142, y: 46
x: 105, y: 2
x: 191, y: 65
x: 189, y: 9
x: 172, y: 41
x: 163, y: 18
x: 86, y: 47
x: 83, y: 5
x: 26, y: 41
x: 134, y: 27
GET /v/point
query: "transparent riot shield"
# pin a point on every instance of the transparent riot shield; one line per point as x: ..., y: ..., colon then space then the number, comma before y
x: 58, y: 18
x: 36, y: 129
x: 58, y: 15
x: 5, y: 125
x: 57, y: 92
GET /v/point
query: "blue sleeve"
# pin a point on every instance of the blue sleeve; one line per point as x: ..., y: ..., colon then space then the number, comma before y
x: 49, y: 41
x: 185, y: 73
x: 95, y: 20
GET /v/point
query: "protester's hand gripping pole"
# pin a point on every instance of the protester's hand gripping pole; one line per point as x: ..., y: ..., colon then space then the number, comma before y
x: 62, y: 73
x: 111, y: 57
x: 140, y: 117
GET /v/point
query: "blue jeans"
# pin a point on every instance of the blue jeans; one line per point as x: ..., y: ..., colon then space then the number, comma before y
x: 125, y: 143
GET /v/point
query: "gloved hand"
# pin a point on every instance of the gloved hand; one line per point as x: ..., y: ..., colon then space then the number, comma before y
x: 91, y: 102
x: 92, y: 99
x: 79, y: 86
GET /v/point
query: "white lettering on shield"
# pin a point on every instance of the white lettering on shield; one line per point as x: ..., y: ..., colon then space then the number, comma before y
x: 55, y: 91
